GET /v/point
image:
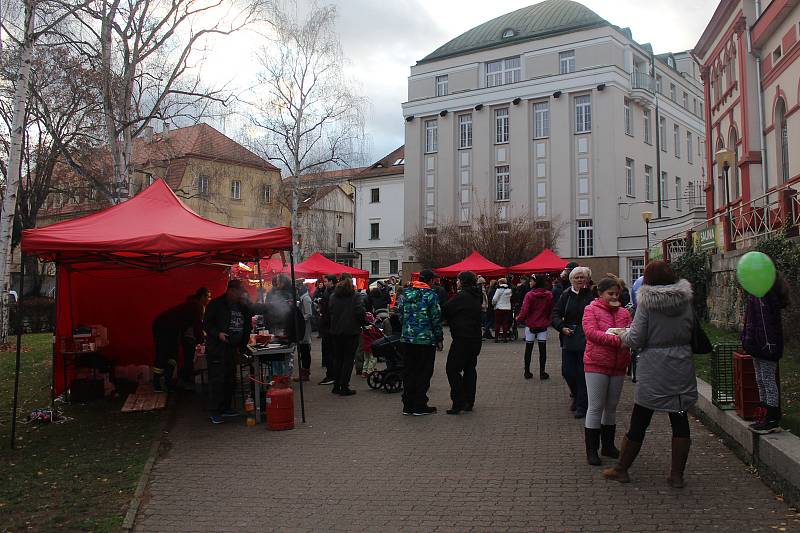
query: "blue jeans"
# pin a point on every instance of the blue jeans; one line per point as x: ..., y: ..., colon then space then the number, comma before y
x: 572, y: 371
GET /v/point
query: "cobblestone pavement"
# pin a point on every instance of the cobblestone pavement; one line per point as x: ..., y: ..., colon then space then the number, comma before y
x: 514, y: 464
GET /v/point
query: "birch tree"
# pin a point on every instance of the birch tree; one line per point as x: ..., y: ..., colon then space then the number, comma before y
x: 148, y: 54
x: 310, y: 116
x: 39, y: 17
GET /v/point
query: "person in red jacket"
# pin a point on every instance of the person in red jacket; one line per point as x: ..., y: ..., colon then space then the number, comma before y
x: 605, y: 362
x: 535, y: 314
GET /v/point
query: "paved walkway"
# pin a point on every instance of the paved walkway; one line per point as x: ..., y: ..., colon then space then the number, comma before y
x: 515, y: 464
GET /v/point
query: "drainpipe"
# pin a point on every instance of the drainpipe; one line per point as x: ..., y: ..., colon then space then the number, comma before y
x: 658, y: 132
x: 761, y: 111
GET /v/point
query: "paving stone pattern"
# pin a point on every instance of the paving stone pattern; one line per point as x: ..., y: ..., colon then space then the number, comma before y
x: 516, y: 463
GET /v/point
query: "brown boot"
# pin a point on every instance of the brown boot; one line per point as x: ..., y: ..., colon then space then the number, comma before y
x: 627, y: 455
x: 680, y: 453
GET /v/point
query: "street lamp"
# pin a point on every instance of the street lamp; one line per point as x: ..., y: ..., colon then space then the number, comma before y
x: 647, y: 216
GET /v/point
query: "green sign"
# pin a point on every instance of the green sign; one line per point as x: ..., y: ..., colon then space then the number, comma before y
x: 708, y: 238
x: 656, y: 253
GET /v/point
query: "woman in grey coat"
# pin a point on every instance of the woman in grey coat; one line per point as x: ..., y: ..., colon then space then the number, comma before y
x: 665, y: 376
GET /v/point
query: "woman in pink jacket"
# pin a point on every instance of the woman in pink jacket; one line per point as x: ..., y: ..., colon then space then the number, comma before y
x: 605, y: 362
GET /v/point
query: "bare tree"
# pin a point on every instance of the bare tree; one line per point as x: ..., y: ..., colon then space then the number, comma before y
x: 310, y: 116
x: 146, y: 52
x: 39, y: 18
x: 505, y: 241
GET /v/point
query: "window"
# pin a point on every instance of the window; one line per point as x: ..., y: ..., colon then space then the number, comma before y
x: 648, y: 183
x: 689, y: 147
x: 685, y: 100
x: 503, y: 183
x: 374, y: 231
x: 585, y: 238
x: 541, y: 120
x: 375, y: 267
x: 236, y: 190
x: 628, y: 117
x: 676, y: 134
x: 648, y: 137
x: 637, y: 269
x: 374, y: 195
x: 659, y: 84
x: 339, y: 240
x: 508, y: 34
x: 431, y: 136
x: 465, y: 131
x: 776, y: 54
x: 202, y: 185
x: 266, y: 194
x: 501, y: 125
x: 393, y: 264
x: 566, y: 61
x: 663, y: 189
x: 782, y: 144
x: 678, y: 194
x: 401, y: 161
x: 148, y: 179
x: 441, y: 85
x: 694, y: 105
x: 630, y: 179
x: 733, y: 173
x: 583, y: 114
x: 502, y: 72
x: 662, y: 133
x: 673, y: 92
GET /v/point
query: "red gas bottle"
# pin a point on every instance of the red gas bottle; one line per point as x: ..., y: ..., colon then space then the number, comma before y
x: 280, y: 405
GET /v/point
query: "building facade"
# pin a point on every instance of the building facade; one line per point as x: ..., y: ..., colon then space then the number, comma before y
x: 749, y: 55
x: 325, y: 222
x: 214, y: 175
x: 551, y: 112
x: 379, y: 216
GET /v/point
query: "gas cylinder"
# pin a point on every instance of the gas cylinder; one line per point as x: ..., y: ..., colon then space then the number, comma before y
x: 280, y: 405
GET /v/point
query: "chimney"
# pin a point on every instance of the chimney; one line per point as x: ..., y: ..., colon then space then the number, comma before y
x: 147, y: 134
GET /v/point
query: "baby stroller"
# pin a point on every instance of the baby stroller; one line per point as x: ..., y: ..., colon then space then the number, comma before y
x: 387, y: 350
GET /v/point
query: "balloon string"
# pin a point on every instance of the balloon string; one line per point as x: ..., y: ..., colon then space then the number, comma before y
x: 764, y: 325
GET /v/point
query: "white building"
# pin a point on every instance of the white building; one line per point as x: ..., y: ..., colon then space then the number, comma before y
x: 379, y: 215
x: 550, y: 112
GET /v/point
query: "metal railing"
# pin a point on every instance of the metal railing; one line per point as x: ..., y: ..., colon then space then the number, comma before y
x: 641, y: 80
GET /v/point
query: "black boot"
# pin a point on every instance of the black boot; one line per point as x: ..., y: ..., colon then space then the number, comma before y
x: 528, y: 353
x: 770, y: 424
x: 543, y: 360
x: 607, y: 438
x: 592, y: 438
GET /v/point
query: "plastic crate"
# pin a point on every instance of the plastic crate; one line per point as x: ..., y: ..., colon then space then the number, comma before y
x: 722, y: 389
x: 745, y: 387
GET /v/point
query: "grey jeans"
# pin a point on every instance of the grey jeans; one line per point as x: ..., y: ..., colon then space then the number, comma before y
x: 603, y: 392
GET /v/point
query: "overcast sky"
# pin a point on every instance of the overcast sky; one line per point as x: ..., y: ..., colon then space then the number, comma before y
x: 382, y: 39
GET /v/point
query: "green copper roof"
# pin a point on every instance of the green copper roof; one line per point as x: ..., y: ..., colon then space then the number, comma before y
x: 532, y: 22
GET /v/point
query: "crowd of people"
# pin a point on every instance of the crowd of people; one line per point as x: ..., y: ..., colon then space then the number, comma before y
x: 599, y: 324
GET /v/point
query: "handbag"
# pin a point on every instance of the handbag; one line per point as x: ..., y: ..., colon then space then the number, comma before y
x: 700, y: 342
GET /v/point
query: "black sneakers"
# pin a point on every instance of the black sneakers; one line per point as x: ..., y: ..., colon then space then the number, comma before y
x: 427, y: 410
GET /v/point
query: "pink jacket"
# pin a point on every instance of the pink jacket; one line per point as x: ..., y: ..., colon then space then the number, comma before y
x: 605, y: 353
x: 536, y: 308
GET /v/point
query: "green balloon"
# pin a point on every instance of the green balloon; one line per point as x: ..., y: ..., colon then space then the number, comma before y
x: 756, y: 273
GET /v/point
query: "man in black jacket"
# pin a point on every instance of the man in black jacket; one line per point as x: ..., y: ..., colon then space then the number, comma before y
x: 463, y: 313
x: 325, y: 331
x: 227, y: 323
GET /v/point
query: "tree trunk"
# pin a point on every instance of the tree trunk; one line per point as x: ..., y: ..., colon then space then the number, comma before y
x: 14, y: 165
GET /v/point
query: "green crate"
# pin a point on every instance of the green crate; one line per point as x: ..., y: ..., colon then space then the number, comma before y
x: 722, y: 392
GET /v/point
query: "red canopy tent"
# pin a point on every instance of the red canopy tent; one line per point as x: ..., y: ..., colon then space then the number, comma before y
x: 317, y: 266
x: 546, y: 261
x: 121, y: 266
x: 476, y: 263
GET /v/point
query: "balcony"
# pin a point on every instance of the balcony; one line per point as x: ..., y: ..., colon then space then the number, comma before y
x: 643, y: 88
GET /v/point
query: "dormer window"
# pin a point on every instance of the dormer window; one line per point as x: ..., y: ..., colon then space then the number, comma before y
x: 400, y: 161
x: 507, y: 34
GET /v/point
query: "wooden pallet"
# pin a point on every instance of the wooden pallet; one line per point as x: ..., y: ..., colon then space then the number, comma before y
x: 144, y: 399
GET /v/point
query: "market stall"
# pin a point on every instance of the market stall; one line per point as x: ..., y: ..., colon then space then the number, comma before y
x: 546, y: 261
x: 317, y: 266
x: 119, y: 267
x: 474, y: 262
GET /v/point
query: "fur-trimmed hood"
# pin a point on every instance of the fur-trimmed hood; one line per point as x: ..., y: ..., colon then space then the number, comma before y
x: 668, y: 299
